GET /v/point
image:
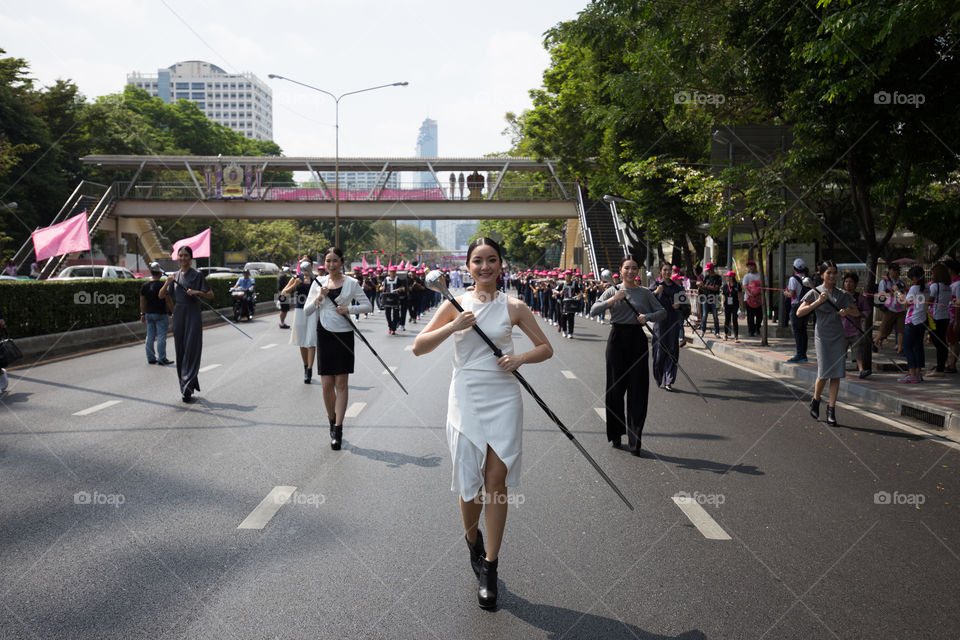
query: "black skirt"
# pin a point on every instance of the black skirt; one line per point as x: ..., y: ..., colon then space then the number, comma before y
x: 334, y: 352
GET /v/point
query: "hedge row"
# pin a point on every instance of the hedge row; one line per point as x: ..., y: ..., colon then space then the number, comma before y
x: 33, y: 308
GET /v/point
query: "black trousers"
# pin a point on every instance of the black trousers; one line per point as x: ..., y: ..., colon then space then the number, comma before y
x: 393, y: 317
x: 566, y: 322
x: 628, y: 374
x: 754, y: 320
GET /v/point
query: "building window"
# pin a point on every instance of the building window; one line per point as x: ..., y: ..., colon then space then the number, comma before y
x: 183, y: 96
x: 198, y: 85
x: 183, y: 85
x: 201, y: 105
x: 197, y: 96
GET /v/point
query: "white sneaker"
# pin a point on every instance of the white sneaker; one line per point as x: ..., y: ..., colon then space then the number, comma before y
x: 4, y: 381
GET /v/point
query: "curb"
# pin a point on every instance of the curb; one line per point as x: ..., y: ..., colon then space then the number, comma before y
x: 855, y: 393
x: 67, y: 343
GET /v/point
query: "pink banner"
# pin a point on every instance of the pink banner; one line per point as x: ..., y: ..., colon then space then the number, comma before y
x: 65, y: 237
x: 364, y: 264
x: 200, y: 244
x: 379, y: 266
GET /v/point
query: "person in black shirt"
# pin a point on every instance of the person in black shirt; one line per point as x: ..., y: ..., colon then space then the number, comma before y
x: 667, y: 332
x: 709, y: 292
x: 732, y: 293
x: 155, y: 313
x: 283, y: 302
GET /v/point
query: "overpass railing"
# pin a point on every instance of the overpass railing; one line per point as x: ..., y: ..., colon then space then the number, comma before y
x: 283, y: 192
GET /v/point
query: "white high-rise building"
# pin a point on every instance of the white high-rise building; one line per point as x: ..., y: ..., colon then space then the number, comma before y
x: 241, y: 102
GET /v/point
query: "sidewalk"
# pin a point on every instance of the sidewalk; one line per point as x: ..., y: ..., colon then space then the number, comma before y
x: 933, y: 405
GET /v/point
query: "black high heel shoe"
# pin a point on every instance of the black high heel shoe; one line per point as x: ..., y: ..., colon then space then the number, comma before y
x: 831, y: 416
x: 336, y: 437
x: 487, y: 591
x: 307, y: 374
x: 477, y: 553
x: 815, y: 409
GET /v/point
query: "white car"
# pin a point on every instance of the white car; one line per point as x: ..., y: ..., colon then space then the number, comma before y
x: 80, y: 271
x: 264, y: 268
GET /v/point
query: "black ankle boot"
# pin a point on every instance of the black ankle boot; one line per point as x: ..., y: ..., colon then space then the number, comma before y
x: 477, y: 553
x: 487, y: 592
x: 831, y: 416
x: 307, y: 374
x: 336, y: 437
x: 815, y: 409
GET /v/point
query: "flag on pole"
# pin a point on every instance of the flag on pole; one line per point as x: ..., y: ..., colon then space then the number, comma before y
x: 200, y: 244
x: 379, y: 266
x: 364, y: 264
x: 64, y: 237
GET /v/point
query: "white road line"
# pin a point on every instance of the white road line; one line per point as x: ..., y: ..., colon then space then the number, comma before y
x: 354, y: 409
x: 267, y: 508
x: 601, y: 412
x: 269, y: 346
x: 570, y: 375
x: 393, y: 369
x: 94, y: 409
x: 409, y: 347
x: 209, y: 367
x: 700, y: 518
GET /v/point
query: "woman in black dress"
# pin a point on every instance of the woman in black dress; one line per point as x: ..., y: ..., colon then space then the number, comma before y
x: 187, y: 285
x: 667, y: 332
x: 333, y: 296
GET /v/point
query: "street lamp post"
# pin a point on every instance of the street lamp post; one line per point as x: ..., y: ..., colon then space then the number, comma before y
x: 336, y: 100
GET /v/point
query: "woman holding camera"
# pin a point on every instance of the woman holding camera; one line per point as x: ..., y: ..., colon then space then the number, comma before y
x: 831, y: 306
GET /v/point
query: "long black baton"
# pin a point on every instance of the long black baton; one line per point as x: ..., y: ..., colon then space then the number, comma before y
x: 543, y: 405
x: 857, y: 327
x: 663, y: 348
x: 369, y: 346
x: 696, y: 333
x: 210, y: 306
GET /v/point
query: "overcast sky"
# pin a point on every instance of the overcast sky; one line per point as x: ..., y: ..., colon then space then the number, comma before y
x: 467, y: 63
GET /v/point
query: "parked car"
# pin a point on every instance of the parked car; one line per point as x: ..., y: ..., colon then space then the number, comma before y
x: 208, y: 270
x: 264, y: 268
x: 79, y: 271
x: 231, y: 275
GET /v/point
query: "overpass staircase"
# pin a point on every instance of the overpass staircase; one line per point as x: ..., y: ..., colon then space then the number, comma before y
x: 603, y: 238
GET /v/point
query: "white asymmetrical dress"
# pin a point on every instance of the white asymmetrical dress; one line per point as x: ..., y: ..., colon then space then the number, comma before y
x: 484, y: 404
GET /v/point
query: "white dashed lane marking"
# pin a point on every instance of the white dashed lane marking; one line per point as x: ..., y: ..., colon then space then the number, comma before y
x: 354, y: 409
x: 269, y: 346
x: 700, y: 518
x: 209, y: 367
x: 94, y: 409
x: 570, y: 375
x: 267, y: 508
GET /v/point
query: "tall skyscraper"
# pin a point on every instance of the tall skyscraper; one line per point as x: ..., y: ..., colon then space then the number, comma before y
x: 427, y: 148
x: 241, y: 102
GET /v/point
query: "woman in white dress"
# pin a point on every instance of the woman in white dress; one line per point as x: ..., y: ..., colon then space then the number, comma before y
x: 304, y: 331
x: 485, y: 410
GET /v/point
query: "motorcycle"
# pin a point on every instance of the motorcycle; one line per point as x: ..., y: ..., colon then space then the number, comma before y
x: 244, y: 302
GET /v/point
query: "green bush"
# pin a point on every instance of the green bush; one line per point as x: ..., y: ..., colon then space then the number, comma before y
x: 33, y: 308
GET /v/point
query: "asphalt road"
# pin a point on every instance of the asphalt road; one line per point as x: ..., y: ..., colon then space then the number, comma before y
x: 123, y: 523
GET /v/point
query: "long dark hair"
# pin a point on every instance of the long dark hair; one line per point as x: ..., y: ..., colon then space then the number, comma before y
x: 481, y: 241
x: 916, y: 271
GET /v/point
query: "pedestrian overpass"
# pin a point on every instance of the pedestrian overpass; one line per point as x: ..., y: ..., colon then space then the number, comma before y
x: 239, y: 187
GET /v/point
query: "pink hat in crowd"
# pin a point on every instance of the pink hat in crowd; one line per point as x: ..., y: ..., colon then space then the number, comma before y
x: 731, y: 274
x: 709, y: 266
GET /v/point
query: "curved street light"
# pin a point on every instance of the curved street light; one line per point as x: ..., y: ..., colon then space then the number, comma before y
x: 336, y: 100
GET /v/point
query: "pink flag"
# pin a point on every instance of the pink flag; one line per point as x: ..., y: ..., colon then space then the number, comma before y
x: 364, y: 264
x: 64, y: 237
x: 390, y: 262
x: 379, y: 266
x: 200, y: 244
